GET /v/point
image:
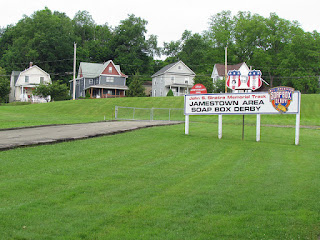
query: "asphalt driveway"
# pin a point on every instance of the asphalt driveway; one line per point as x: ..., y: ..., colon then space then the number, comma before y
x: 13, y: 138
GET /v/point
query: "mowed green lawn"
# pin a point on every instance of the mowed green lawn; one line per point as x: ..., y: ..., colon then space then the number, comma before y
x: 158, y: 183
x: 93, y: 110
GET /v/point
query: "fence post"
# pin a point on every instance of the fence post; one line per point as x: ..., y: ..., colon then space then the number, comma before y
x: 169, y: 113
x: 151, y: 114
x: 116, y: 112
x: 133, y: 113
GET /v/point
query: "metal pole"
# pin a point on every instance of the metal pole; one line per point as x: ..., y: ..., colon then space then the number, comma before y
x: 220, y: 126
x: 116, y: 112
x: 298, y: 123
x: 151, y: 114
x: 74, y: 70
x: 186, y: 125
x: 225, y: 69
x: 258, y: 128
x: 242, y: 127
x: 134, y: 109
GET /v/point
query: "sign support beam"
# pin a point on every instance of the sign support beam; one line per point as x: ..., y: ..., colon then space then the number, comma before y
x: 186, y: 125
x: 297, y: 135
x: 258, y: 127
x: 220, y: 126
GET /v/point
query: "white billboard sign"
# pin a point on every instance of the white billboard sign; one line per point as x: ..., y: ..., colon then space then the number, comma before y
x: 242, y: 103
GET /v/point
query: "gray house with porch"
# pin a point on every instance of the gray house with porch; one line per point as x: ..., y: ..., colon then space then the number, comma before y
x: 100, y: 80
x: 176, y: 76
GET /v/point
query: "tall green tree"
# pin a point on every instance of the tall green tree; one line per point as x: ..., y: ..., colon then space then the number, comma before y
x: 57, y: 90
x: 131, y: 48
x: 4, y: 86
x: 45, y: 38
x: 206, y: 80
x: 135, y: 87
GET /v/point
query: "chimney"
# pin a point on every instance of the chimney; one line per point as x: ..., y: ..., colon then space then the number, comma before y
x: 31, y: 63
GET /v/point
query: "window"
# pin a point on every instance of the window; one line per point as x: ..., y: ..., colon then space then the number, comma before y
x: 155, y: 93
x: 110, y: 79
x: 110, y: 69
x: 186, y: 80
x: 155, y: 81
x: 41, y: 80
x: 180, y: 67
x: 26, y: 79
x: 172, y: 78
x: 90, y: 81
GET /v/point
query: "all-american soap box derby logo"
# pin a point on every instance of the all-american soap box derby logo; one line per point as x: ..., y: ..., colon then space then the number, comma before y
x: 281, y: 97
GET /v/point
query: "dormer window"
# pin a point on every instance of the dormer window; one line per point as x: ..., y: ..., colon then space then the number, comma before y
x: 26, y: 79
x: 110, y: 69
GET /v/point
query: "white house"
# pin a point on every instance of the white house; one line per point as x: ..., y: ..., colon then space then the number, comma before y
x: 218, y: 72
x: 22, y: 83
x: 176, y: 76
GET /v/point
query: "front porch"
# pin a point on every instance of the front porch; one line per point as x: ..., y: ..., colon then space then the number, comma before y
x: 179, y: 89
x: 101, y: 91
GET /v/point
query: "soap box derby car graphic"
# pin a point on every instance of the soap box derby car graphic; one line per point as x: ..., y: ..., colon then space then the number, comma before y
x: 281, y: 97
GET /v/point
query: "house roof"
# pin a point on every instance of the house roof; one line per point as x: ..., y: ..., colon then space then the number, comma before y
x: 92, y: 70
x: 168, y: 67
x: 221, y: 68
x: 35, y: 66
x: 15, y: 75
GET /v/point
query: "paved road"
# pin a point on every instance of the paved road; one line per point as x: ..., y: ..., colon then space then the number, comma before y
x: 51, y: 134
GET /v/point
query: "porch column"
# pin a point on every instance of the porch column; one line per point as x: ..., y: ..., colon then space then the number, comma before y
x: 90, y: 92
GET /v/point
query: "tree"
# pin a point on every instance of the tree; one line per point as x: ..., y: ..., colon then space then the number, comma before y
x: 170, y: 93
x: 219, y: 86
x: 206, y: 80
x: 131, y: 48
x: 84, y: 26
x: 135, y: 87
x: 45, y: 38
x: 196, y: 52
x: 4, y: 86
x: 221, y: 29
x: 57, y: 90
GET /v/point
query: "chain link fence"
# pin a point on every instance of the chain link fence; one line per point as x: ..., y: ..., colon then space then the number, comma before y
x: 160, y: 114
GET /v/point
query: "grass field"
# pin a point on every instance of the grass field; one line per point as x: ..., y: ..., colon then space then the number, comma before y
x: 165, y: 185
x: 93, y: 110
x: 158, y: 183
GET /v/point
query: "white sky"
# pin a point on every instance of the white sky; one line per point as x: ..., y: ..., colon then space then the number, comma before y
x: 166, y: 18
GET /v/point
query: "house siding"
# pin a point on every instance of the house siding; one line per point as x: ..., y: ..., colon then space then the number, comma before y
x: 17, y: 82
x: 178, y: 77
x: 120, y: 81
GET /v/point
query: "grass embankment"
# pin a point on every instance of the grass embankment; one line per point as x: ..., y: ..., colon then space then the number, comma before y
x: 158, y: 183
x: 93, y: 110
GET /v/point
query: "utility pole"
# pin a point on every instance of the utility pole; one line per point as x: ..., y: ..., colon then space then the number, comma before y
x: 226, y: 69
x: 74, y: 71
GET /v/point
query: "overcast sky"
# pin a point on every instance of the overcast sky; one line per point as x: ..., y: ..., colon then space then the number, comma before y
x: 166, y: 18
